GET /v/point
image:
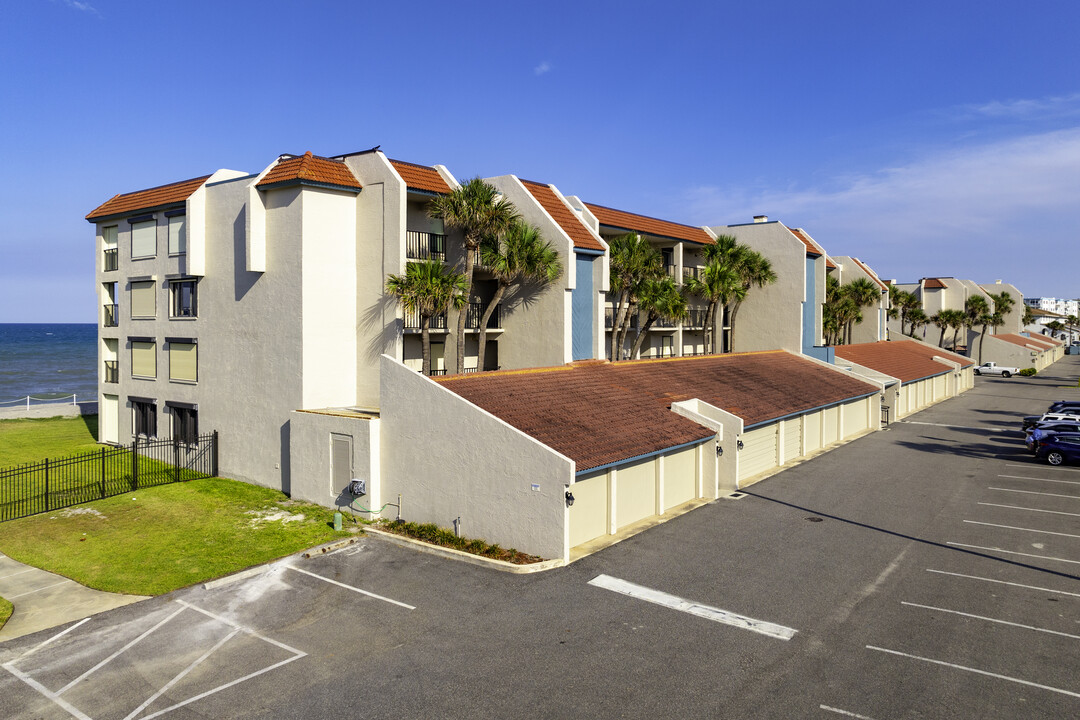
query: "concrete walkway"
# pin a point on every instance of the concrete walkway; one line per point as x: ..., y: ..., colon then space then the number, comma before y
x: 44, y: 600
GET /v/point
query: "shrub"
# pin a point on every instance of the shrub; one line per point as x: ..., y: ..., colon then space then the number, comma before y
x: 432, y: 533
x: 1027, y: 372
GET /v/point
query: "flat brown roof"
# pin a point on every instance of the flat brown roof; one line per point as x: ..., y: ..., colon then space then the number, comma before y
x: 906, y: 360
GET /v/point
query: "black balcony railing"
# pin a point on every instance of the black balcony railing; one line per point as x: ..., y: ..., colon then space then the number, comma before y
x: 663, y: 323
x: 691, y: 272
x: 476, y: 314
x: 695, y: 318
x: 425, y: 246
x: 112, y: 371
x: 438, y: 371
x: 110, y: 259
x: 609, y: 315
x: 412, y: 321
x: 111, y: 315
x: 670, y: 270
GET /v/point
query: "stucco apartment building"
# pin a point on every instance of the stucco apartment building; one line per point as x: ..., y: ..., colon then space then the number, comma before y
x: 875, y: 319
x: 273, y: 281
x: 949, y: 293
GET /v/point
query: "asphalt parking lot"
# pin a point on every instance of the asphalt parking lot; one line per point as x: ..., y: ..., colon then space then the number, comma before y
x: 931, y: 570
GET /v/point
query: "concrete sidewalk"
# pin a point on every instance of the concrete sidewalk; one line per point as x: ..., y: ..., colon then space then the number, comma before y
x: 44, y: 600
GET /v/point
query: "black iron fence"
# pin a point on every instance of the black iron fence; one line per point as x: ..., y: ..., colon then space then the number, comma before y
x: 425, y: 246
x: 53, y: 484
x: 476, y: 314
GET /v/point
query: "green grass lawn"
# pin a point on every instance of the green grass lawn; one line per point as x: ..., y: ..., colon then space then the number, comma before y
x: 31, y: 439
x: 159, y: 539
x: 5, y: 612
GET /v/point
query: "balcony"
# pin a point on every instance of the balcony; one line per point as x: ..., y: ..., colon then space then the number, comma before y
x: 669, y: 270
x: 691, y: 272
x: 425, y: 246
x: 412, y: 321
x: 663, y: 324
x: 112, y: 316
x: 476, y: 314
x: 110, y: 259
x: 112, y: 371
x: 695, y: 318
x: 438, y: 371
x: 609, y: 321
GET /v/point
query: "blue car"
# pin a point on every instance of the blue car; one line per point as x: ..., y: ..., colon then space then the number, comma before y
x: 1038, y: 432
x: 1059, y: 448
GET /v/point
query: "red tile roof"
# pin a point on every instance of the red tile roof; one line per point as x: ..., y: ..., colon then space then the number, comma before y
x: 313, y: 169
x: 871, y: 273
x: 812, y: 248
x: 563, y: 215
x: 154, y: 197
x: 829, y: 263
x: 1017, y: 339
x: 1042, y: 341
x: 649, y: 226
x: 934, y: 283
x: 421, y: 177
x: 904, y: 359
x: 1048, y: 339
x: 603, y: 413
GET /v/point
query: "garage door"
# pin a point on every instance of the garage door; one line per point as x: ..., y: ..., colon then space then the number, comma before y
x: 635, y: 492
x: 829, y: 418
x: 759, y: 452
x: 854, y: 418
x: 680, y: 477
x: 913, y: 397
x: 939, y: 387
x: 792, y: 439
x: 588, y: 514
x: 812, y: 430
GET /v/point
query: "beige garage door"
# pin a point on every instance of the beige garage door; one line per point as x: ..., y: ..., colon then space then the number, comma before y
x: 854, y: 418
x: 792, y: 439
x: 680, y: 477
x: 759, y: 452
x: 635, y: 492
x: 589, y: 513
x: 829, y: 418
x: 939, y: 387
x: 812, y: 429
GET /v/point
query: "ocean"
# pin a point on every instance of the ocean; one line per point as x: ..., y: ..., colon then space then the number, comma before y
x: 47, y: 361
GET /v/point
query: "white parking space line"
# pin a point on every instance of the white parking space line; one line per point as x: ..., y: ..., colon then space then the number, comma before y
x: 993, y: 620
x: 1017, y: 507
x: 976, y: 671
x: 1012, y: 552
x: 247, y: 630
x: 182, y: 674
x: 958, y: 427
x: 674, y: 602
x: 1025, y: 477
x: 1034, y: 492
x: 354, y: 589
x: 1003, y: 582
x: 5, y: 577
x: 1043, y: 467
x: 845, y: 713
x: 54, y: 637
x: 71, y: 709
x: 116, y: 654
x: 1010, y: 527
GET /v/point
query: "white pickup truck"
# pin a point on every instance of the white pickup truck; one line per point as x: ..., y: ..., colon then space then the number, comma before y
x: 992, y: 368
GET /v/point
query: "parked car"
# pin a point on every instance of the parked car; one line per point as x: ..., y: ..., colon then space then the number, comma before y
x: 1036, y: 433
x: 992, y: 368
x: 1064, y: 406
x: 1032, y: 420
x: 1060, y: 448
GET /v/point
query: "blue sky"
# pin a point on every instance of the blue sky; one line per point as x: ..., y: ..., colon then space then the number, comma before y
x: 926, y: 138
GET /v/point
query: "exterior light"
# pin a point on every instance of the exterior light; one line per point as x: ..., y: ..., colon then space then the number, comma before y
x: 719, y: 451
x: 739, y: 445
x: 569, y: 499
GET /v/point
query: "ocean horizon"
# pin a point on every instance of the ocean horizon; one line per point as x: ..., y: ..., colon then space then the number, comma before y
x: 47, y: 360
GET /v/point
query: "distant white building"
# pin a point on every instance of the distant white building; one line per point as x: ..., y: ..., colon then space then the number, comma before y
x: 1056, y: 305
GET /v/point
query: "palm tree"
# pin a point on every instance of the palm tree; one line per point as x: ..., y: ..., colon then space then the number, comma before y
x: 1055, y: 326
x: 658, y: 299
x: 917, y: 318
x: 477, y: 209
x: 1073, y: 321
x: 1029, y: 316
x: 755, y: 270
x: 978, y: 313
x: 428, y: 288
x: 633, y: 260
x: 902, y: 303
x: 518, y: 256
x: 956, y: 320
x: 719, y: 284
x: 1003, y: 303
x: 941, y: 319
x: 863, y: 293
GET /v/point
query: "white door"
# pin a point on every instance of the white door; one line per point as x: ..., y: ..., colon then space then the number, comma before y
x: 109, y: 431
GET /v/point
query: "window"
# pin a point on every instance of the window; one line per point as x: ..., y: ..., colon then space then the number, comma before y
x: 184, y: 299
x: 143, y: 300
x: 145, y: 417
x: 185, y: 422
x: 143, y: 358
x: 144, y: 239
x: 108, y: 237
x: 183, y: 359
x: 177, y: 235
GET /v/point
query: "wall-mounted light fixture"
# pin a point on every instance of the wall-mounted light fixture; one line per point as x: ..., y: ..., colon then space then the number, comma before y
x: 739, y: 445
x: 569, y: 499
x: 719, y: 451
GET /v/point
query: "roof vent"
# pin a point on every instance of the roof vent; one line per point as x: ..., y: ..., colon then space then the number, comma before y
x: 761, y: 218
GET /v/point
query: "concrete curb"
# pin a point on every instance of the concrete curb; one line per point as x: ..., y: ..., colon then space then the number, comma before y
x: 328, y: 547
x: 452, y: 554
x: 260, y: 569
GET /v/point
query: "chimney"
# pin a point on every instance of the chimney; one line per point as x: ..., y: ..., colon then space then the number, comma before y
x: 761, y: 218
